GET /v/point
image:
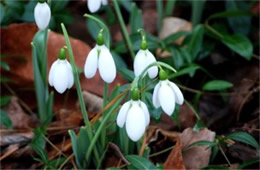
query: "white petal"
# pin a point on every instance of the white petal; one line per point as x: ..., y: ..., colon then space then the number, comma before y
x: 42, y: 15
x: 146, y: 113
x: 90, y: 67
x: 121, y: 117
x: 139, y: 62
x: 104, y: 2
x: 156, y: 102
x: 70, y: 75
x: 94, y: 5
x: 106, y: 65
x: 51, y: 72
x: 135, y: 123
x: 177, y: 92
x: 166, y: 98
x: 60, y: 76
x: 153, y: 71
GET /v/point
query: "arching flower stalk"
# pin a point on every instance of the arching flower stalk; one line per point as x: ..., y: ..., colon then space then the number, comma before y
x: 143, y: 58
x: 42, y: 14
x: 61, y: 75
x: 100, y: 58
x: 94, y: 5
x: 135, y: 115
x: 166, y: 94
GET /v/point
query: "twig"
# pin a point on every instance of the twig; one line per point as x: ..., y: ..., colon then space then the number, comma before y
x: 10, y: 152
x: 245, y: 99
x: 225, y: 156
x: 141, y: 152
x: 116, y: 148
x: 161, y: 152
x: 55, y: 147
x: 68, y: 158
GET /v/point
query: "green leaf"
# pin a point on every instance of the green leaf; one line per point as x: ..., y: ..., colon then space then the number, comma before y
x: 4, y: 100
x: 175, y: 36
x: 197, y: 9
x: 176, y: 58
x: 199, y: 125
x: 196, y: 40
x: 239, y: 44
x: 233, y: 13
x: 5, y: 120
x: 239, y: 24
x: 4, y: 65
x: 127, y: 74
x: 73, y: 138
x: 215, y: 167
x: 217, y: 85
x: 175, y: 115
x: 214, y: 152
x: 140, y: 162
x: 184, y: 71
x: 203, y: 143
x: 2, y: 13
x: 136, y: 21
x: 169, y: 7
x: 5, y: 79
x: 244, y: 138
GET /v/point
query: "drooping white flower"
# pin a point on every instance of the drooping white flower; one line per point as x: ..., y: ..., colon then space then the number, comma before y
x: 42, y: 15
x: 94, y: 5
x: 100, y: 58
x: 61, y: 75
x: 166, y: 94
x: 142, y: 59
x: 136, y: 117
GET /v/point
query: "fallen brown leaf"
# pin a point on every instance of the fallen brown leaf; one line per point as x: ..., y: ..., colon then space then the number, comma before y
x: 197, y: 156
x: 175, y: 160
x: 20, y: 120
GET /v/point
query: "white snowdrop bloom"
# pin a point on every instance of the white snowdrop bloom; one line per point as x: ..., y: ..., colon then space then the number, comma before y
x: 61, y: 75
x: 166, y: 94
x: 42, y: 15
x: 136, y: 116
x: 142, y: 59
x: 100, y: 58
x: 94, y: 5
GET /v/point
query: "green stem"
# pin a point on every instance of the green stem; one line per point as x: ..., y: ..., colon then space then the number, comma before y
x: 192, y: 108
x: 159, y: 6
x: 157, y: 63
x: 99, y: 130
x: 78, y: 87
x: 101, y: 24
x: 102, y: 157
x: 123, y: 28
x: 169, y: 7
x: 105, y: 94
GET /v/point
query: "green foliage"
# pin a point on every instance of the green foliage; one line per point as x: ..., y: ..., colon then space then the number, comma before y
x: 5, y: 120
x: 138, y: 162
x: 4, y: 65
x: 136, y: 20
x: 217, y: 85
x: 199, y: 125
x: 244, y: 138
x: 239, y: 24
x: 239, y: 44
x: 4, y: 100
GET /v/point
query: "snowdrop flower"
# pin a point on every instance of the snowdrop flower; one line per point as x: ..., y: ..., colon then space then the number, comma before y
x: 60, y: 75
x: 144, y: 58
x: 100, y: 58
x: 166, y: 93
x: 42, y: 14
x: 94, y: 5
x: 135, y: 115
